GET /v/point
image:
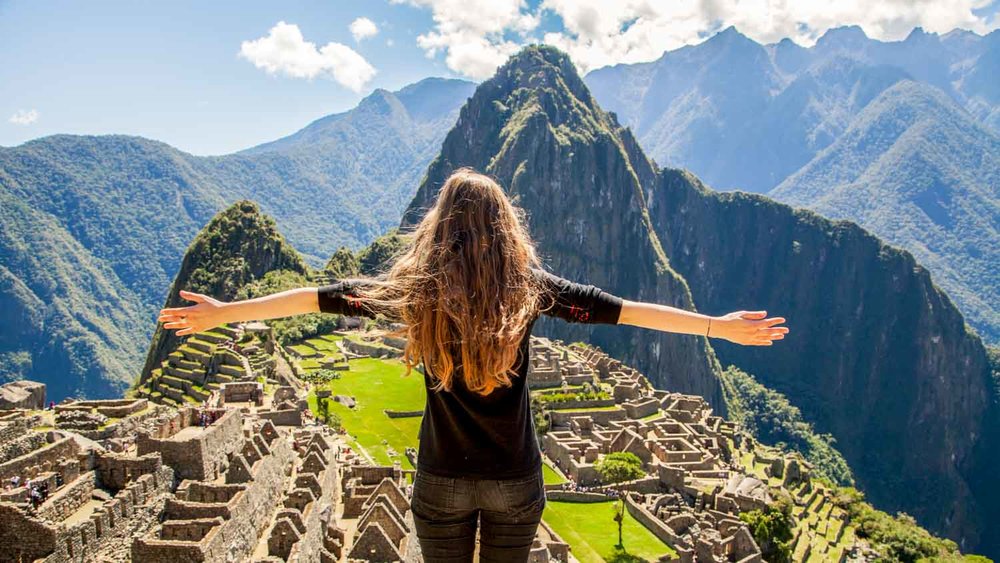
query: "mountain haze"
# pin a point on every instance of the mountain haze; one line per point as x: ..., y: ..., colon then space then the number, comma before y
x: 878, y: 355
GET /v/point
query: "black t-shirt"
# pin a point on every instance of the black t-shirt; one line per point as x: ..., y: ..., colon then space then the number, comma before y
x: 464, y: 434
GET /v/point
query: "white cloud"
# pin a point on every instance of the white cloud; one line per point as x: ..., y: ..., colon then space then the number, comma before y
x: 363, y: 28
x: 24, y: 117
x: 474, y: 34
x: 477, y: 35
x: 284, y: 50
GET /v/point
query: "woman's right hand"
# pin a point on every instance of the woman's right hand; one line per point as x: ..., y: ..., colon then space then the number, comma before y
x: 749, y: 328
x: 204, y: 315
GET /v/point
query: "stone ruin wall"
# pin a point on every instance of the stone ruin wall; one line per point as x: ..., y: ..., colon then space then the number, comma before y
x: 28, y: 537
x: 45, y: 459
x: 201, y: 457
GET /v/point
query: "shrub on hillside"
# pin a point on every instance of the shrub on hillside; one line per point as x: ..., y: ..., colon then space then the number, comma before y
x: 772, y: 529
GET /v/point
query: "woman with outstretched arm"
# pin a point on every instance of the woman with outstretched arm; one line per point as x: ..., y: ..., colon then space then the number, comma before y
x: 467, y: 291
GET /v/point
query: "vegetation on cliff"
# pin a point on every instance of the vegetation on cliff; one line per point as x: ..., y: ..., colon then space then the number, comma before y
x: 896, y: 538
x: 772, y: 419
x: 772, y: 530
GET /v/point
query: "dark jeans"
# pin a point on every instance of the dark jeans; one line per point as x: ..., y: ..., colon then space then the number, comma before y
x: 446, y: 512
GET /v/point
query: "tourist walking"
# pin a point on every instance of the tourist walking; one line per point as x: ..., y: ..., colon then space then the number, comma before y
x: 467, y: 291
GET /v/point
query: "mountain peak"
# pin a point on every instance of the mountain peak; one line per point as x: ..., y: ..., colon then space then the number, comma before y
x: 728, y: 38
x: 843, y: 36
x: 530, y: 59
x: 540, y: 68
x: 918, y: 35
x: 239, y: 245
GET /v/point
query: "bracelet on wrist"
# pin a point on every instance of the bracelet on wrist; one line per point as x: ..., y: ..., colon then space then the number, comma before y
x: 709, y: 329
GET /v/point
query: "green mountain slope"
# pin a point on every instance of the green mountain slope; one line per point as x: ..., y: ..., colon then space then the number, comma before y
x: 878, y: 356
x: 795, y: 122
x: 67, y: 318
x: 128, y: 207
x: 918, y: 171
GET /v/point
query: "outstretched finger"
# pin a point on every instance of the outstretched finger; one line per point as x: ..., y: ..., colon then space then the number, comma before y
x: 753, y: 315
x: 172, y: 310
x: 774, y: 321
x: 196, y: 297
x: 772, y: 331
x: 178, y: 324
x: 185, y: 331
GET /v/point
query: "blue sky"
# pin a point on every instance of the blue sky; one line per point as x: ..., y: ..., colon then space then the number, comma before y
x: 215, y: 77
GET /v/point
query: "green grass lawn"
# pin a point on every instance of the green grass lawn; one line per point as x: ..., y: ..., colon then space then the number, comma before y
x: 591, y: 532
x: 555, y: 407
x: 376, y: 385
x: 327, y: 347
x: 550, y: 475
x: 303, y: 349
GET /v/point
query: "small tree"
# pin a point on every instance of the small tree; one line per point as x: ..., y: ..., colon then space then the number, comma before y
x: 619, y: 508
x: 328, y: 417
x: 618, y: 467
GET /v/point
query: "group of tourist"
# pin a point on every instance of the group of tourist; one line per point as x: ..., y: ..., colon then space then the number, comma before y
x: 578, y: 488
x: 38, y: 491
x: 208, y: 417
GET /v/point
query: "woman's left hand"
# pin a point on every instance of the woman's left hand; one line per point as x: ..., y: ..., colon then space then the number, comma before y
x: 206, y: 314
x: 749, y: 328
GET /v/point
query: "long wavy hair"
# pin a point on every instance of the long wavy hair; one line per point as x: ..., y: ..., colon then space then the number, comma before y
x: 463, y: 287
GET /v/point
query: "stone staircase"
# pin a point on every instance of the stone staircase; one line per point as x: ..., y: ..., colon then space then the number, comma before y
x: 199, y: 366
x: 824, y: 532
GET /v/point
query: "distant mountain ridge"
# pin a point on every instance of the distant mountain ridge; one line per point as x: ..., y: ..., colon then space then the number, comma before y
x: 919, y: 171
x: 118, y: 212
x: 743, y: 115
x: 776, y: 119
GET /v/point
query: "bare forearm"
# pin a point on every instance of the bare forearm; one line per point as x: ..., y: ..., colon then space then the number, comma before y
x: 283, y: 304
x: 664, y: 318
x: 741, y: 327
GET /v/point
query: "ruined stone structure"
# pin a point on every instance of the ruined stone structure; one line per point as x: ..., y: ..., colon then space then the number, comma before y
x: 22, y: 395
x: 694, y: 490
x: 242, y: 477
